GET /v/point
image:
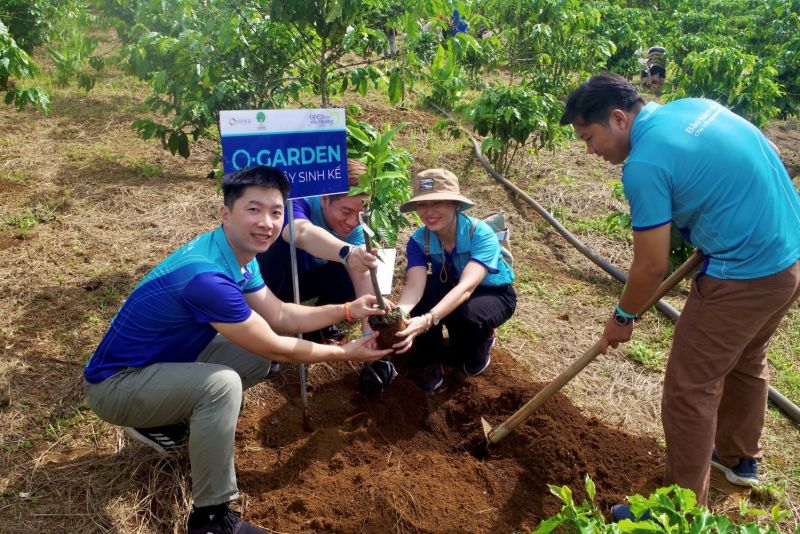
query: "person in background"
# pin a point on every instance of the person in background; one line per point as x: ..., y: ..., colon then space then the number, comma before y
x: 458, y: 23
x: 655, y: 72
x: 696, y: 165
x: 200, y: 328
x: 391, y: 37
x: 332, y: 262
x: 456, y: 277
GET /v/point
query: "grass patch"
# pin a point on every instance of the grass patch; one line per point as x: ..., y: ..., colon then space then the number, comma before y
x: 15, y: 177
x: 599, y: 225
x: 783, y: 357
x: 23, y: 223
x: 514, y: 328
x: 646, y: 354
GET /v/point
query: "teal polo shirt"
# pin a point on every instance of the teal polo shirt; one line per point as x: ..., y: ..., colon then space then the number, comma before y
x: 166, y: 317
x: 715, y: 176
x: 482, y: 247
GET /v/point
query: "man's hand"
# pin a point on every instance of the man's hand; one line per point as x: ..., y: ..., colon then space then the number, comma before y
x: 364, y: 306
x: 614, y: 334
x: 362, y: 261
x: 364, y: 349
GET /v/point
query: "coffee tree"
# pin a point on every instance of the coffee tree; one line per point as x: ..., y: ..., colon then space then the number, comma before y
x: 387, y: 186
x: 514, y: 118
x: 16, y: 65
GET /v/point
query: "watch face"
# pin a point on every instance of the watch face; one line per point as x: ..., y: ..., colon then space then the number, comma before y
x: 343, y: 252
x: 620, y: 320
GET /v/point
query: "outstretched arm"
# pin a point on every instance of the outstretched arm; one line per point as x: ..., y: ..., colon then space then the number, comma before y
x: 650, y: 264
x: 322, y: 244
x: 255, y: 335
x: 290, y: 318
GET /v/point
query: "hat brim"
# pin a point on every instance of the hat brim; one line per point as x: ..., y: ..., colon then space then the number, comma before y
x: 411, y: 205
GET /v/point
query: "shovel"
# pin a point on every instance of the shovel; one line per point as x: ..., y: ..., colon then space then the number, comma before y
x: 493, y: 435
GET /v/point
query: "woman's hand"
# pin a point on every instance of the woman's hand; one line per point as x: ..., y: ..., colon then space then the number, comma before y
x: 412, y: 328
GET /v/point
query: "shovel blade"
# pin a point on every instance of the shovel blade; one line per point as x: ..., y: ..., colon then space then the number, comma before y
x: 364, y: 225
x: 487, y: 428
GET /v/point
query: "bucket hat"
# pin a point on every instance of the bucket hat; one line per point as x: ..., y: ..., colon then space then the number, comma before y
x: 435, y: 184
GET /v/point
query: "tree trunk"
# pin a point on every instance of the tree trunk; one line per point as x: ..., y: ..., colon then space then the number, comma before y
x: 323, y: 74
x: 373, y: 273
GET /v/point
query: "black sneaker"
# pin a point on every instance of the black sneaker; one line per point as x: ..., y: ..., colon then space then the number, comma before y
x: 274, y: 369
x: 432, y: 378
x: 164, y: 439
x: 219, y: 519
x: 375, y: 377
x: 330, y: 335
x: 745, y: 473
x: 483, y: 358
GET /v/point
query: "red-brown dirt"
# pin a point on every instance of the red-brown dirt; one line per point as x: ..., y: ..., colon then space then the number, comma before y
x: 408, y: 462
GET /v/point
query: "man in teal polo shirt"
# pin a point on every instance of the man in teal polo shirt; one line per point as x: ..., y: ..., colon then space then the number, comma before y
x: 715, y: 177
x: 200, y: 328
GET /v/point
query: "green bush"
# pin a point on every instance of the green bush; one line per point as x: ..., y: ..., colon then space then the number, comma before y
x: 510, y: 116
x: 27, y: 21
x: 15, y: 64
x: 732, y: 77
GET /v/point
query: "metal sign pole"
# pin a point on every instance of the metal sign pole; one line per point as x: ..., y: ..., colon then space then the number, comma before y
x: 296, y: 288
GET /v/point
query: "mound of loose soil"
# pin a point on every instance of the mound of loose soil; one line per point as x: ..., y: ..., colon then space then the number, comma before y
x: 408, y: 462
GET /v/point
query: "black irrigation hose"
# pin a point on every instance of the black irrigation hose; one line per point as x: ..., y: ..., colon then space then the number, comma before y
x: 777, y: 398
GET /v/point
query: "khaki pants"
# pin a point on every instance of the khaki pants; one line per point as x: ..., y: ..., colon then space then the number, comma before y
x: 206, y: 393
x: 717, y: 377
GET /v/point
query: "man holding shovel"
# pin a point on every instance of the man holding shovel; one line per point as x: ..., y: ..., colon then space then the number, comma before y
x: 716, y: 178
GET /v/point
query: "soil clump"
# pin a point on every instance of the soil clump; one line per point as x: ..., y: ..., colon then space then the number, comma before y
x: 387, y: 326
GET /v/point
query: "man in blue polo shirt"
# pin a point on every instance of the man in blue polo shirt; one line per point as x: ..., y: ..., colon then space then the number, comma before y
x: 200, y: 328
x: 715, y: 177
x: 332, y: 262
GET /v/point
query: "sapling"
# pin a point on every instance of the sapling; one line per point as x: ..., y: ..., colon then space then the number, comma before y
x: 386, y: 185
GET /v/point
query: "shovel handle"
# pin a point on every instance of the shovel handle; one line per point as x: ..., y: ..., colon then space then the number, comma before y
x: 577, y: 366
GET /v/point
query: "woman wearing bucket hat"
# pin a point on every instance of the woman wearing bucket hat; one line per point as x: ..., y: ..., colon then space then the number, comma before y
x: 455, y: 277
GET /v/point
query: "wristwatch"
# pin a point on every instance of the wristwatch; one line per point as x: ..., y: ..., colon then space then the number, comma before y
x: 435, y: 318
x: 344, y: 252
x: 621, y: 319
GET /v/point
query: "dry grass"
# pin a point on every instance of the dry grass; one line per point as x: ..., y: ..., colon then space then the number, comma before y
x: 106, y: 206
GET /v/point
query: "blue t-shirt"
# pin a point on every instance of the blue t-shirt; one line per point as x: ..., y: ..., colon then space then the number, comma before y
x: 483, y: 247
x: 310, y: 209
x: 166, y: 317
x: 716, y: 177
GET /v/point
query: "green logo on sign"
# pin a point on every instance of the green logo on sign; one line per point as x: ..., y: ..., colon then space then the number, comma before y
x: 261, y: 117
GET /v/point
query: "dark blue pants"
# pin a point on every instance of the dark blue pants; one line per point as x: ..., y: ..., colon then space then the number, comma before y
x: 328, y: 282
